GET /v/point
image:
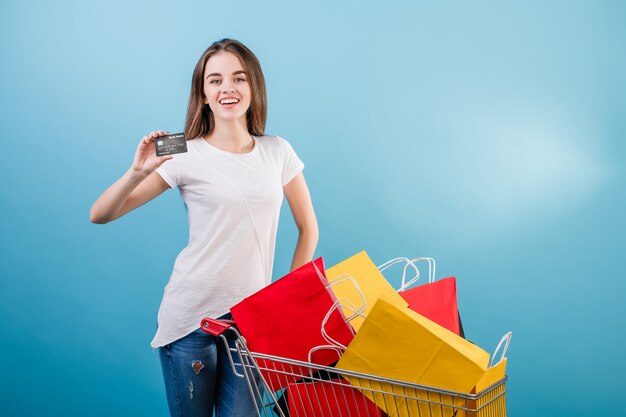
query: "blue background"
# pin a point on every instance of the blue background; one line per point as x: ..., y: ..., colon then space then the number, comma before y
x: 488, y: 135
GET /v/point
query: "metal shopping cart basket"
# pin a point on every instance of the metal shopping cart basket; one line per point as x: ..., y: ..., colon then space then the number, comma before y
x: 289, y: 388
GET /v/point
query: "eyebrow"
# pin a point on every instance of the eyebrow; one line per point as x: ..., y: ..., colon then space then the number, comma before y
x: 217, y: 74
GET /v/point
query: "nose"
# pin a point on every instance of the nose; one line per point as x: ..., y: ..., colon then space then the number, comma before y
x: 227, y: 87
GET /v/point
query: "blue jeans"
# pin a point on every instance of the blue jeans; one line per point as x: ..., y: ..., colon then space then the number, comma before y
x: 198, y: 376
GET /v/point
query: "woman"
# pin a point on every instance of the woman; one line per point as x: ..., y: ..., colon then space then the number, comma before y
x: 232, y: 180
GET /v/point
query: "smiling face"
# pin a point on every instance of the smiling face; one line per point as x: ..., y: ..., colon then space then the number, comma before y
x: 227, y: 68
x: 226, y: 87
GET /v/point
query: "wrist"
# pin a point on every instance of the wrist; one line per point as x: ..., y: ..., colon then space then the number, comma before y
x: 137, y: 174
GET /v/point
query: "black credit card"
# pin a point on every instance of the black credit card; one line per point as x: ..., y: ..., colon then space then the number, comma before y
x: 170, y: 144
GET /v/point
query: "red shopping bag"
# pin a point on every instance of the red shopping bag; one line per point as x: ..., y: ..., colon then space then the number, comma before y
x: 436, y: 301
x: 285, y: 319
x: 329, y: 399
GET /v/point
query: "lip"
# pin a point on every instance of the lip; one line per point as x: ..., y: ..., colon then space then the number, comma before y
x: 229, y: 105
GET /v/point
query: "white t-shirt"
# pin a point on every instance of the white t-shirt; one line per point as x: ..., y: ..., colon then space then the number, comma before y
x: 233, y: 203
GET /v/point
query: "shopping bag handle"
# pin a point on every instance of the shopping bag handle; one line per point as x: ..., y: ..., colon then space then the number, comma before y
x: 344, y: 278
x: 408, y: 262
x: 333, y: 344
x: 338, y: 280
x: 411, y: 263
x: 506, y: 340
x: 356, y: 312
x: 338, y: 350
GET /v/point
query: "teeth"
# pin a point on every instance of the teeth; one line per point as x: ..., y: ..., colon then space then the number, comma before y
x: 229, y: 101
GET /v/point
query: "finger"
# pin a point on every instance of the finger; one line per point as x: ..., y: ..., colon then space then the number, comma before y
x: 144, y: 140
x: 162, y: 133
x: 150, y: 137
x: 162, y: 159
x: 153, y: 134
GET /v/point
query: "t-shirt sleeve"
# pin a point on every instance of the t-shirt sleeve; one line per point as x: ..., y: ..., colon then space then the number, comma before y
x: 170, y: 172
x: 292, y: 165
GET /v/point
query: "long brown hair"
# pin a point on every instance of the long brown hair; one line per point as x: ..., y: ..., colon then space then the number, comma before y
x: 200, y: 120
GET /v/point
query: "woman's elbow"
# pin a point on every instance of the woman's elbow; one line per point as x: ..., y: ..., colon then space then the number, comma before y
x: 310, y: 231
x: 97, y: 218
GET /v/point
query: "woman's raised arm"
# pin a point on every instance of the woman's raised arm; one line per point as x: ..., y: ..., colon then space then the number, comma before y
x: 136, y: 187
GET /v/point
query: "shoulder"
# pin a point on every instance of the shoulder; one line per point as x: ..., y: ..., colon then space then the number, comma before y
x: 270, y: 140
x: 275, y: 143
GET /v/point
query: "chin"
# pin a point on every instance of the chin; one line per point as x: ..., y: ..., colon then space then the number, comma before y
x: 230, y: 117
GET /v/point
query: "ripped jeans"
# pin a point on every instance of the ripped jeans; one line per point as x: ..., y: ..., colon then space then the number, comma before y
x: 198, y: 377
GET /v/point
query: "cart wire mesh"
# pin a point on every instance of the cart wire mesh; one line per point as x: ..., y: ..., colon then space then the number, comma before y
x: 283, y: 387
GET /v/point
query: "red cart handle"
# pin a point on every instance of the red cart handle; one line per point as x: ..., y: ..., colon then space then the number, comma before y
x: 215, y: 327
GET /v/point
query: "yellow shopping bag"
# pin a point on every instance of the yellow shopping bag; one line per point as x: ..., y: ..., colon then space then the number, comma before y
x: 397, y: 343
x: 371, y: 283
x: 492, y: 402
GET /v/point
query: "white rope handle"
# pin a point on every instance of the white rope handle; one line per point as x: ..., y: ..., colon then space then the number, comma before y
x: 323, y: 347
x: 349, y: 305
x: 506, y: 340
x: 431, y: 272
x: 338, y: 280
x: 411, y: 263
x: 349, y: 278
x: 408, y: 262
x: 336, y: 305
x: 333, y: 344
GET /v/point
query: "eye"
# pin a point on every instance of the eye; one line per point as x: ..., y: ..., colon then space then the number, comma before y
x: 214, y: 81
x: 240, y: 79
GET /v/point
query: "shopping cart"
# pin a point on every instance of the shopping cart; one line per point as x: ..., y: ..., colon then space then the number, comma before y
x: 289, y: 388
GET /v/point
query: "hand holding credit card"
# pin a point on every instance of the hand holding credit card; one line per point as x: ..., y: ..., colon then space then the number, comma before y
x: 170, y: 144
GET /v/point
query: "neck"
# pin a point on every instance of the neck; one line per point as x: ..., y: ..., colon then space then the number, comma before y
x: 231, y: 136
